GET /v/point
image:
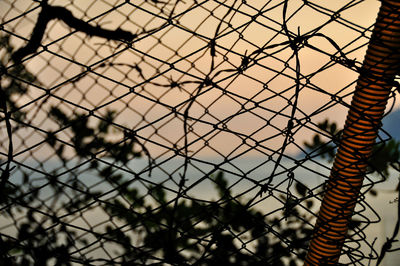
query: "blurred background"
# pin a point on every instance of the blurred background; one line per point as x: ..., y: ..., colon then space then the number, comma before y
x: 169, y: 94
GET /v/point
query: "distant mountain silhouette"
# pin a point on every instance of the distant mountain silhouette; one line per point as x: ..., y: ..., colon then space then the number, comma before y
x: 391, y: 124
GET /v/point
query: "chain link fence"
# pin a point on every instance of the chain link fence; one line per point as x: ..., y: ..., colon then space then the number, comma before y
x: 180, y: 132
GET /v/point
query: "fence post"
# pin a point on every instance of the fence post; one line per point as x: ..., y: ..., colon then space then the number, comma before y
x: 381, y: 64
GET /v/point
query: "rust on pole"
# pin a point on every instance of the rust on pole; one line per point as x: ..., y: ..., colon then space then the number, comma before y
x: 377, y: 74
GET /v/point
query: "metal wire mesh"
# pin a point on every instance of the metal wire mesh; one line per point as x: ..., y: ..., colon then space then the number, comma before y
x: 172, y: 132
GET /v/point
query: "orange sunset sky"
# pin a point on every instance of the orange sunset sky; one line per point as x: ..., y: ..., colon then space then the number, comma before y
x: 107, y: 85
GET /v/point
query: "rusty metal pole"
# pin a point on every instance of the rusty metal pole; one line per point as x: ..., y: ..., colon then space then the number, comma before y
x: 381, y: 64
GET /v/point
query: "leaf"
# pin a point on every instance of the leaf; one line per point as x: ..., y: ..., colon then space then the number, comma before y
x: 301, y: 188
x: 221, y: 184
x: 59, y: 116
x: 354, y: 223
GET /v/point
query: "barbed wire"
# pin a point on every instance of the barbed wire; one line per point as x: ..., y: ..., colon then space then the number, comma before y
x: 178, y: 132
